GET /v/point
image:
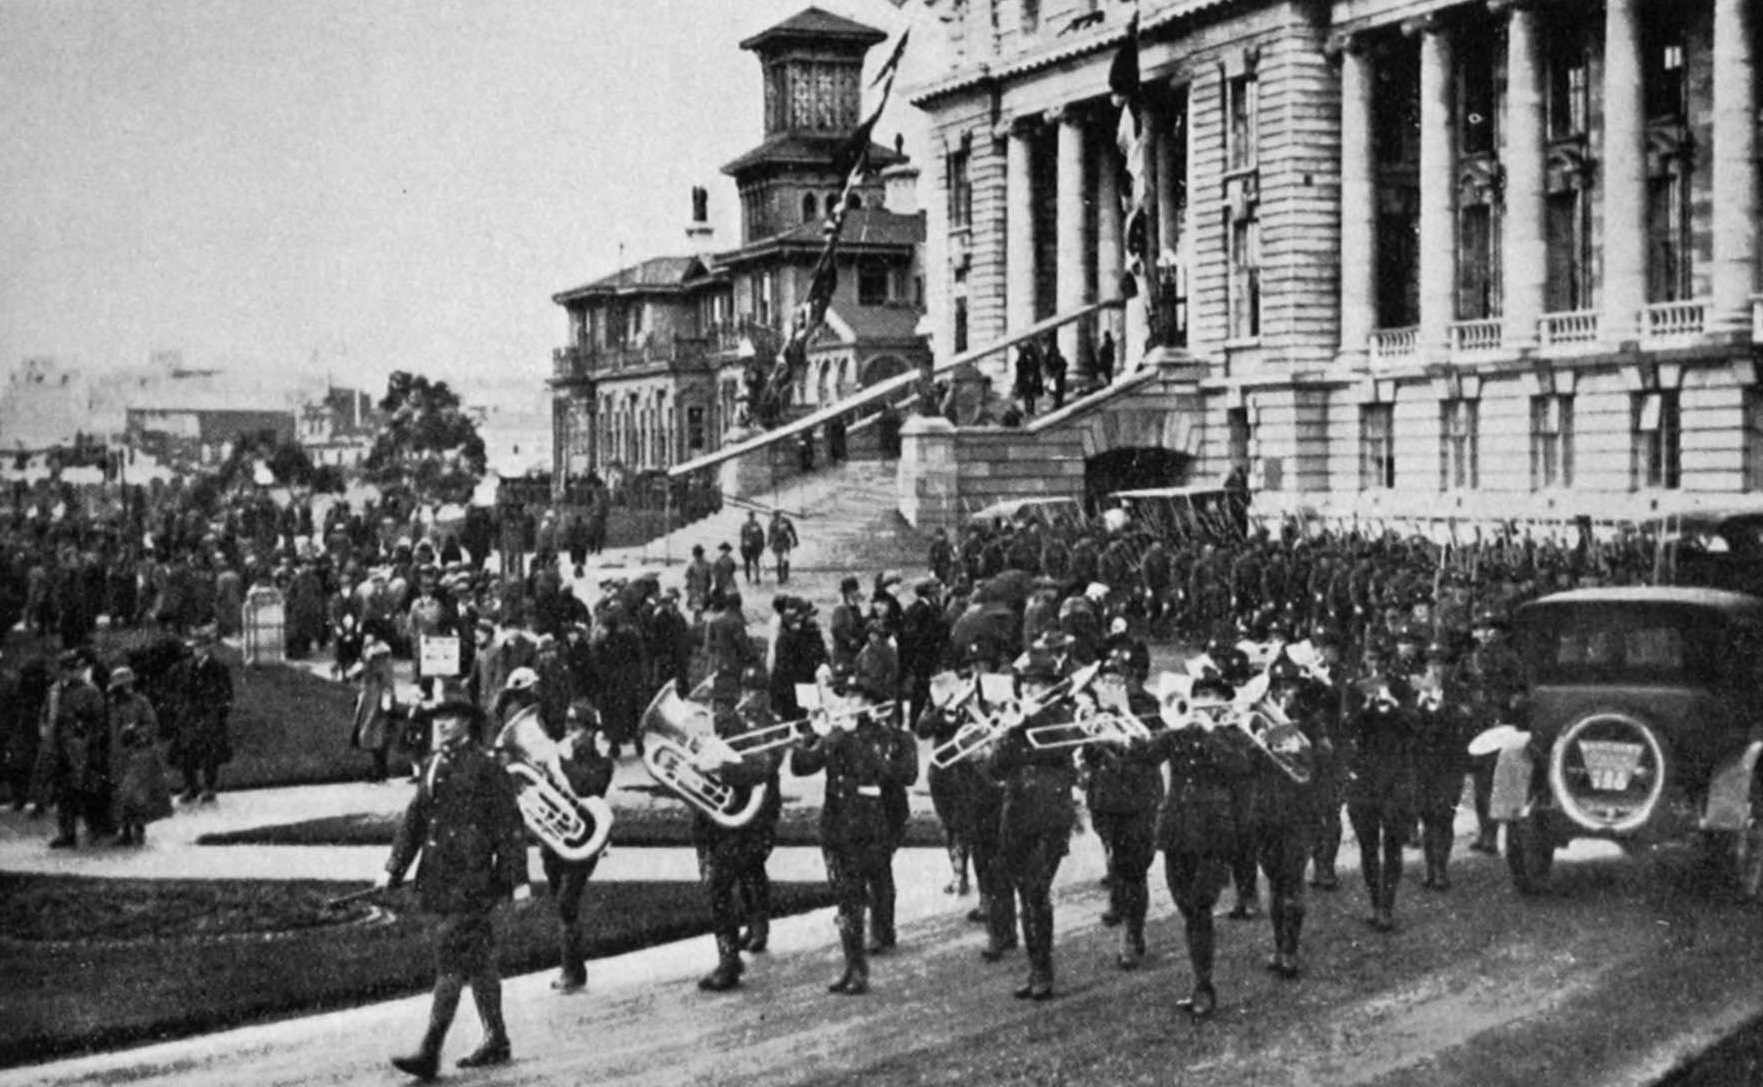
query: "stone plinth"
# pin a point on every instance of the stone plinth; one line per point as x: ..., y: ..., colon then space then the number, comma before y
x: 757, y: 472
x: 929, y: 474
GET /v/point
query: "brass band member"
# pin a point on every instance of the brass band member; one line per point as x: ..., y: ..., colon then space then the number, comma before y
x: 1125, y: 791
x: 1441, y: 761
x: 1035, y: 828
x: 1379, y: 738
x: 1197, y: 828
x: 953, y: 788
x: 465, y: 822
x: 727, y: 856
x: 1322, y: 699
x: 585, y: 760
x: 1285, y: 816
x: 856, y: 838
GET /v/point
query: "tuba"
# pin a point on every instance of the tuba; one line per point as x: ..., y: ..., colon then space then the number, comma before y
x: 574, y: 827
x: 1278, y: 737
x: 675, y: 730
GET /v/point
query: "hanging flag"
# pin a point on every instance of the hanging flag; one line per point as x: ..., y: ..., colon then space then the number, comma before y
x: 850, y: 160
x: 892, y: 64
x: 1124, y: 91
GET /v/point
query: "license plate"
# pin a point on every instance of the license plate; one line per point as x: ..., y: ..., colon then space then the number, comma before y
x: 1610, y: 765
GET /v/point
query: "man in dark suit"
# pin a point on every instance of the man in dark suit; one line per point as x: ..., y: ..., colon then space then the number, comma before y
x: 204, y: 692
x: 466, y: 824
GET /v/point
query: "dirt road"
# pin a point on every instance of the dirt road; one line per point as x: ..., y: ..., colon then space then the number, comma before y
x: 1609, y: 980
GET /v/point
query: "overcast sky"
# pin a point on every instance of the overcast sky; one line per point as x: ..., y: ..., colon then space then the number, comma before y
x: 398, y: 184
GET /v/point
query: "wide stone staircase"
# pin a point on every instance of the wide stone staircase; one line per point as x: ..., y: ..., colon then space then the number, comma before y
x: 846, y: 517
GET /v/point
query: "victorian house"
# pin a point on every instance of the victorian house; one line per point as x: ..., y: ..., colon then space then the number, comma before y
x: 653, y: 371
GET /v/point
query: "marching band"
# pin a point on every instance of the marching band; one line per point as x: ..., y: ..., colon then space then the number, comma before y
x: 1236, y: 768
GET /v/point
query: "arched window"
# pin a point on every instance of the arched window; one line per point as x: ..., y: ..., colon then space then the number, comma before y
x: 809, y: 208
x: 855, y: 202
x: 832, y: 203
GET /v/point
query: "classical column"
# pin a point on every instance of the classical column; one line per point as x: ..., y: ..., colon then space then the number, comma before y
x: 1019, y: 233
x: 1163, y: 149
x: 1110, y: 248
x: 1525, y: 250
x: 1438, y: 191
x: 1358, y: 202
x: 1735, y: 165
x: 1624, y: 174
x: 1072, y: 277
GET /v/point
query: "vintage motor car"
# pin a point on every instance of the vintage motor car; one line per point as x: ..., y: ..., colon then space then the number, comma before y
x: 1641, y: 723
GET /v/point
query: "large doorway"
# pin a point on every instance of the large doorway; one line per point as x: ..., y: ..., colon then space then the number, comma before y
x: 1131, y: 470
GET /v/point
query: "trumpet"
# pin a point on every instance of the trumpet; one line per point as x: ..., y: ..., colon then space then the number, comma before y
x: 818, y: 723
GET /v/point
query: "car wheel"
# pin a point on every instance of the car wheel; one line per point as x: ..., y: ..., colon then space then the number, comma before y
x: 1530, y: 852
x: 1607, y: 772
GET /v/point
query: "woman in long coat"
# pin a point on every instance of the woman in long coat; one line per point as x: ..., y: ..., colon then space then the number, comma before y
x: 371, y: 729
x: 139, y: 794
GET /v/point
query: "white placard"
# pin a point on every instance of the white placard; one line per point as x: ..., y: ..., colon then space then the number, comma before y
x: 439, y: 654
x: 997, y: 687
x: 808, y: 695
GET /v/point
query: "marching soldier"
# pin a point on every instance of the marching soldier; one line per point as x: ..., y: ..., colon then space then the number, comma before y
x: 1440, y: 762
x: 1320, y: 702
x: 1036, y: 825
x: 1125, y: 790
x: 1284, y: 814
x: 1379, y: 736
x: 952, y: 787
x: 1197, y: 828
x: 467, y: 826
x: 728, y: 856
x: 855, y: 836
x: 586, y: 764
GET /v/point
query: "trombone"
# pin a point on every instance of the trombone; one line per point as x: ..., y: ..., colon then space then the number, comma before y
x: 1090, y: 728
x: 980, y: 733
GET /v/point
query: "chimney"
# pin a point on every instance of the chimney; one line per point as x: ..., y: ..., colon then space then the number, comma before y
x: 700, y: 235
x: 900, y: 188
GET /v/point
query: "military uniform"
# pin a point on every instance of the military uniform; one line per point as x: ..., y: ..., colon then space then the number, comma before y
x: 1034, y: 834
x: 1124, y: 793
x: 1197, y: 831
x: 1380, y: 739
x: 466, y: 824
x: 728, y: 856
x: 856, y: 838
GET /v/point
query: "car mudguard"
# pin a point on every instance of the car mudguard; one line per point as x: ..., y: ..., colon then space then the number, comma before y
x: 1729, y: 790
x: 1510, y: 798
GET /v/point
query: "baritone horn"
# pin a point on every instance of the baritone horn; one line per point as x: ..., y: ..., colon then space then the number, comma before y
x: 574, y: 827
x: 675, y: 732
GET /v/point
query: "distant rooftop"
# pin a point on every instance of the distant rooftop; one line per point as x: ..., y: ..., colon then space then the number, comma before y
x: 813, y: 24
x: 655, y: 275
x: 806, y: 149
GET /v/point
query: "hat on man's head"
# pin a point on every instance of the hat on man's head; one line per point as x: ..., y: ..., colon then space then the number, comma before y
x: 889, y: 577
x: 926, y: 586
x: 724, y: 546
x: 122, y: 677
x: 521, y: 679
x: 849, y: 584
x: 70, y: 658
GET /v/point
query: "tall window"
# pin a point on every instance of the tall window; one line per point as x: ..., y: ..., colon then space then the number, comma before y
x: 1238, y: 436
x: 872, y: 284
x: 1478, y: 93
x: 1377, y: 447
x: 1551, y: 442
x: 1242, y: 122
x: 1658, y: 441
x: 1244, y: 285
x: 1668, y: 235
x: 697, y: 438
x: 1569, y: 103
x: 1664, y: 75
x: 1459, y: 453
x: 960, y: 189
x: 810, y: 207
x: 1478, y: 262
x: 1567, y: 214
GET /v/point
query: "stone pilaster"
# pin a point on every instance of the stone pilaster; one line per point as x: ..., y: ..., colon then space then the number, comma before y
x: 1735, y: 165
x: 1438, y: 190
x: 1358, y: 203
x: 1524, y: 250
x: 1071, y: 282
x: 1624, y: 174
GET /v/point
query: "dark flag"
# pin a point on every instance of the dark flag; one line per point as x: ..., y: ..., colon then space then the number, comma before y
x: 1124, y: 91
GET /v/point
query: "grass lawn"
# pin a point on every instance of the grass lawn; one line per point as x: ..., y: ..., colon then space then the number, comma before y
x: 94, y: 964
x: 288, y: 726
x: 669, y: 826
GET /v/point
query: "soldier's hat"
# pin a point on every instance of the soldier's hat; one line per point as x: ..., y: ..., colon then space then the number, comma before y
x: 926, y: 586
x: 70, y: 658
x: 1052, y: 642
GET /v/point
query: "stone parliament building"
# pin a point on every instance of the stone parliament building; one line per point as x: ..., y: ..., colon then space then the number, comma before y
x: 1412, y: 258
